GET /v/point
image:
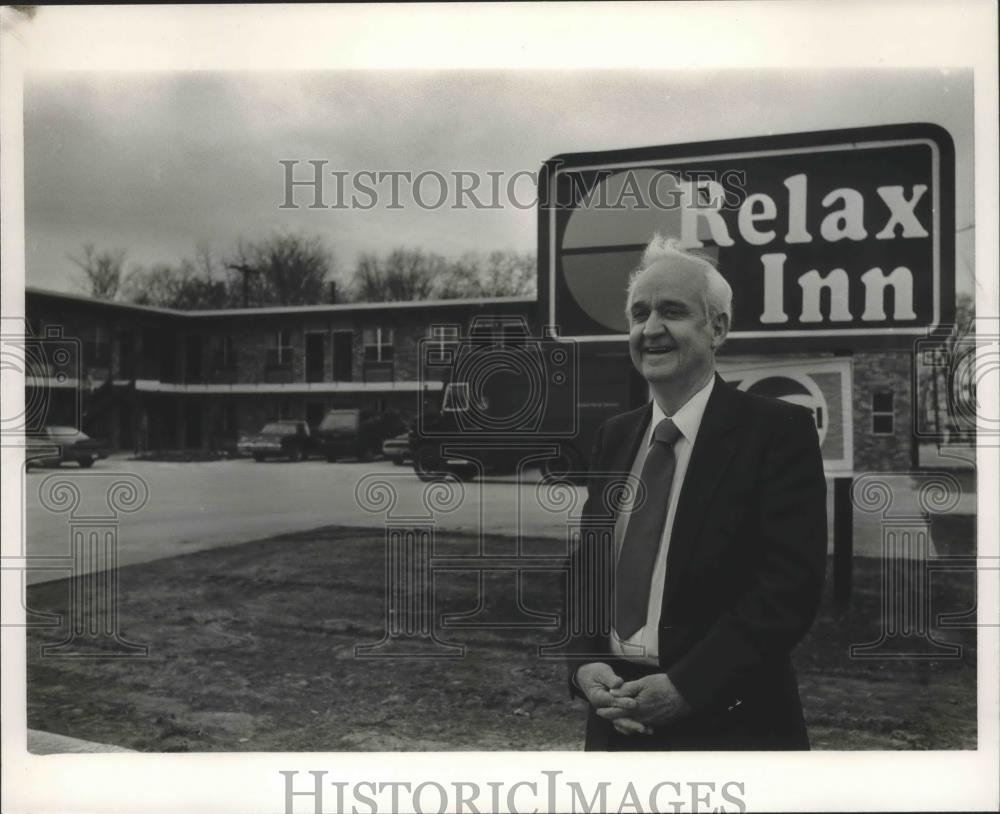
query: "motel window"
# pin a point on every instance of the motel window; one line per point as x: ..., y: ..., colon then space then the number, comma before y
x: 378, y: 345
x: 883, y: 414
x: 283, y: 347
x: 98, y: 350
x: 443, y: 339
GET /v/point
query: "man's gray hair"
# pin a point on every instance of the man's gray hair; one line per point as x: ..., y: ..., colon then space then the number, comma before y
x: 718, y: 293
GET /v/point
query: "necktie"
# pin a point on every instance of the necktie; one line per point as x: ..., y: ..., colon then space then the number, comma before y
x: 643, y: 533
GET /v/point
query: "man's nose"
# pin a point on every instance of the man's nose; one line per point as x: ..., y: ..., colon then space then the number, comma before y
x: 654, y: 326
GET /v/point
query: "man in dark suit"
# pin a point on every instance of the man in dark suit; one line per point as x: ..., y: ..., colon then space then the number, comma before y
x: 706, y: 584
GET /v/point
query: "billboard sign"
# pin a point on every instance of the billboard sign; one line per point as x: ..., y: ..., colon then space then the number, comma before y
x: 832, y: 240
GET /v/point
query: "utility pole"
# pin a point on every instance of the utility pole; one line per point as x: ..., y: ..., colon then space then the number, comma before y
x: 246, y: 271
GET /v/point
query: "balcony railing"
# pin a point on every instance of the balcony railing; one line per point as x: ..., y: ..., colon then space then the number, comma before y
x: 223, y: 368
x: 279, y: 357
x: 378, y: 371
x: 97, y: 354
x: 278, y: 365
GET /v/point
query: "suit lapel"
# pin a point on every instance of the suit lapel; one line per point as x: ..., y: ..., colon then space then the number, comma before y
x: 621, y: 441
x: 626, y: 447
x: 713, y: 450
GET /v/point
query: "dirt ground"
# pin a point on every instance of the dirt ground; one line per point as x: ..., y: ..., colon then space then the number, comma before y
x: 252, y: 649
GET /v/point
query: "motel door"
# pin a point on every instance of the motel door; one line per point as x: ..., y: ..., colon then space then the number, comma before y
x: 314, y: 357
x: 343, y: 355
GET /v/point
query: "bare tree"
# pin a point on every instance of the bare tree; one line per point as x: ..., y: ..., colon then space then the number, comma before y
x: 497, y: 274
x: 185, y: 286
x: 461, y: 278
x: 195, y: 283
x: 281, y: 269
x: 102, y: 271
x: 508, y: 274
x: 404, y: 274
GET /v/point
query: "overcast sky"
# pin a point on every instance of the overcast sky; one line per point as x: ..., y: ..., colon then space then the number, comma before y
x: 157, y: 162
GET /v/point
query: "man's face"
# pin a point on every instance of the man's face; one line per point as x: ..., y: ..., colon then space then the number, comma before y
x: 671, y: 338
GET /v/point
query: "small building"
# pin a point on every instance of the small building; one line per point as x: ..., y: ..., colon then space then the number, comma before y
x: 157, y: 378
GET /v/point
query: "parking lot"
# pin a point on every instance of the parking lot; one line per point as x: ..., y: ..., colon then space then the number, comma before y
x: 195, y: 506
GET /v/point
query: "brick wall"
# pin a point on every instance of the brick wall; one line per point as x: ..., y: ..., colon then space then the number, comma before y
x: 887, y: 372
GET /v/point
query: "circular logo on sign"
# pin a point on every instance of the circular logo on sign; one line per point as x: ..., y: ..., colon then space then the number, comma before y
x: 796, y: 388
x: 607, y: 232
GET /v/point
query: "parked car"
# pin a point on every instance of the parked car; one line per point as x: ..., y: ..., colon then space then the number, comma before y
x: 56, y: 444
x: 397, y: 449
x: 356, y: 433
x: 280, y: 439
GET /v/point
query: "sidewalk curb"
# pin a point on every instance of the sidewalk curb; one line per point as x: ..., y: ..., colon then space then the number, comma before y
x: 49, y: 743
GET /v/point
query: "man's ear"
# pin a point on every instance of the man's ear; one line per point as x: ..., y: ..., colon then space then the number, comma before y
x: 720, y: 330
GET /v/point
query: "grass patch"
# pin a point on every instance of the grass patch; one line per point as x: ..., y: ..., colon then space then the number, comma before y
x: 252, y: 648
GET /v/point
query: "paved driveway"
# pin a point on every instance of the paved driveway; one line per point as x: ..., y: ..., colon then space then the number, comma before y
x: 193, y: 506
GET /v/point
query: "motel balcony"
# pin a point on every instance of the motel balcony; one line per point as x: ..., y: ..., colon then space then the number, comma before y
x: 278, y: 366
x: 378, y: 371
x: 223, y: 370
x: 97, y: 354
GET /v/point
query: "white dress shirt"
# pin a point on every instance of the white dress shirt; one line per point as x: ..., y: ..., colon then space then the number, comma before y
x: 643, y: 645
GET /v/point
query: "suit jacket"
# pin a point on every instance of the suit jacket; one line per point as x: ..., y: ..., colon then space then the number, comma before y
x: 744, y: 577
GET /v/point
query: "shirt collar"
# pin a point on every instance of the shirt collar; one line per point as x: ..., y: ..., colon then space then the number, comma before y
x: 688, y: 418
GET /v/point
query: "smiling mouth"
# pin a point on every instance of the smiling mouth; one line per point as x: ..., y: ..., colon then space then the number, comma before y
x: 658, y: 351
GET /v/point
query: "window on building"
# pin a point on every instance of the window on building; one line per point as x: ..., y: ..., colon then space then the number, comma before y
x: 97, y: 352
x: 883, y: 413
x: 281, y: 353
x: 378, y: 345
x: 228, y: 351
x: 443, y: 339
